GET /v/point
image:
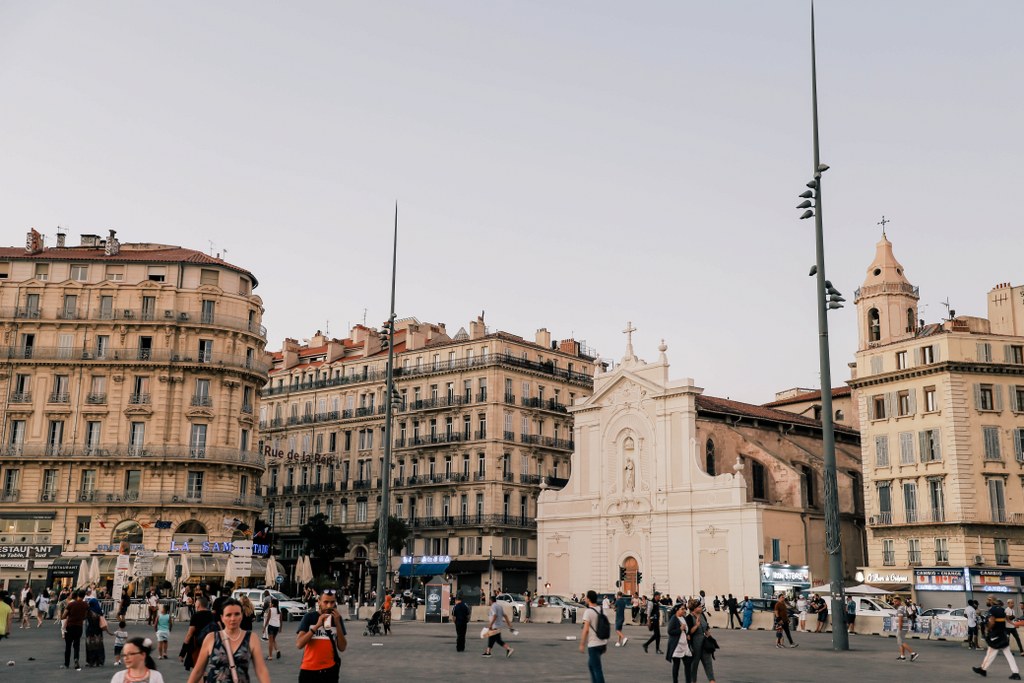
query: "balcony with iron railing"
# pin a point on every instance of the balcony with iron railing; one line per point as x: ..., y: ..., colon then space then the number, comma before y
x: 194, y: 498
x: 138, y: 399
x: 914, y: 558
x: 155, y: 453
x: 514, y: 521
x: 362, y: 484
x: 162, y: 316
x: 96, y: 399
x: 247, y: 408
x: 888, y: 558
x: 202, y: 400
x: 46, y: 353
x: 48, y: 496
x: 9, y: 495
x: 59, y: 397
x: 21, y: 397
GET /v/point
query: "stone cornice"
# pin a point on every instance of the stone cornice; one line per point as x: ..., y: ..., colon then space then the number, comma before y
x: 962, y: 367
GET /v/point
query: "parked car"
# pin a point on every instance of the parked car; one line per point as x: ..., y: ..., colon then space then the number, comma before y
x: 517, y: 601
x: 936, y: 612
x: 565, y: 603
x: 869, y: 607
x: 290, y: 609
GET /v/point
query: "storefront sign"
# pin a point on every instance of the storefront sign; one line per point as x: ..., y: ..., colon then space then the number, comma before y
x: 215, y: 547
x: 14, y: 564
x: 940, y: 579
x: 786, y: 573
x: 995, y: 580
x: 891, y: 577
x: 116, y: 547
x: 24, y: 552
x: 299, y: 458
x: 426, y: 559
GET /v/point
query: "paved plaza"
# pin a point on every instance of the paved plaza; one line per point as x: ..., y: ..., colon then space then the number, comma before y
x: 426, y: 652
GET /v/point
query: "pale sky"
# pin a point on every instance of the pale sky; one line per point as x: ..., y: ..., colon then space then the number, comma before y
x: 569, y: 165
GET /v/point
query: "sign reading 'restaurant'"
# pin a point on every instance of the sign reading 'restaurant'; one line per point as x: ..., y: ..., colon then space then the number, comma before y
x: 24, y: 552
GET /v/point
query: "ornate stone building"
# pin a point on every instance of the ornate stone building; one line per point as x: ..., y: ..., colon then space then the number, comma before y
x: 942, y: 423
x: 680, y: 491
x: 482, y: 423
x: 130, y: 380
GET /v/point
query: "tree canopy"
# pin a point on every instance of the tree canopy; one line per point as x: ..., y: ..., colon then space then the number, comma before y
x: 398, y: 533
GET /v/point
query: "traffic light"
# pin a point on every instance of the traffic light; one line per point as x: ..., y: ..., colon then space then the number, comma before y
x: 622, y: 573
x: 385, y: 335
x: 639, y: 578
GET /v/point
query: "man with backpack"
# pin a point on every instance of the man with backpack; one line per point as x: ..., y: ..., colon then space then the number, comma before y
x: 596, y: 632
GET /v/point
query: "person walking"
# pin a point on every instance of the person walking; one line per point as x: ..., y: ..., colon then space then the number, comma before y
x: 321, y: 636
x: 42, y: 607
x: 460, y: 615
x: 851, y: 613
x: 781, y: 611
x: 621, y: 603
x: 677, y: 651
x: 802, y: 606
x: 497, y: 614
x: 162, y: 626
x: 998, y: 642
x: 1011, y: 623
x: 385, y: 617
x: 734, y: 611
x: 228, y: 653
x: 196, y: 625
x: 971, y: 614
x: 28, y: 607
x: 272, y: 627
x: 699, y: 631
x: 6, y: 611
x: 902, y: 623
x: 75, y: 613
x: 590, y: 641
x: 95, y: 627
x: 140, y: 667
x: 644, y: 609
x: 654, y: 625
x: 748, y: 613
x: 152, y: 603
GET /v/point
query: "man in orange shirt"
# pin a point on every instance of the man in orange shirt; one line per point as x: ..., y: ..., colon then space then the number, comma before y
x: 321, y: 635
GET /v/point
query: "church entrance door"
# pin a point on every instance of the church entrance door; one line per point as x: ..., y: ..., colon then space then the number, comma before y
x: 629, y: 586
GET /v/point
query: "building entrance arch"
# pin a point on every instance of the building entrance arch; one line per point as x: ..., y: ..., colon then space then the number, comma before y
x: 630, y: 568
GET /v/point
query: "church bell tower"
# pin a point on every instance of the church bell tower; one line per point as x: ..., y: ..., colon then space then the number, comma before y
x: 886, y: 302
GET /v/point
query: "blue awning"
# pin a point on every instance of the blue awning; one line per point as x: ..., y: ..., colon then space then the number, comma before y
x: 422, y: 569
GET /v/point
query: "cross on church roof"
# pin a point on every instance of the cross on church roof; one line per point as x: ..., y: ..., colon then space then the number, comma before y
x: 629, y: 339
x: 883, y: 223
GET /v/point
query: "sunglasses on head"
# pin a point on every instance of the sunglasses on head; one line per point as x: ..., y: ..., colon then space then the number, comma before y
x: 329, y: 591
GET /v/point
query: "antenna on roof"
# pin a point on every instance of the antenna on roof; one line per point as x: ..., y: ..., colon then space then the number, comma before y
x: 327, y: 329
x: 950, y: 313
x: 211, y: 247
x: 364, y: 316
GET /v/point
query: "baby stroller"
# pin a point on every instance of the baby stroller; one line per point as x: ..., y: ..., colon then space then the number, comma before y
x: 373, y: 624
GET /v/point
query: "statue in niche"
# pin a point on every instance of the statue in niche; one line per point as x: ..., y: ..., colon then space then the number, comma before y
x: 630, y: 476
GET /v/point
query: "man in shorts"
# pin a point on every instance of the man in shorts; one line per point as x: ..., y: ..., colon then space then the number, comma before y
x: 621, y: 603
x: 902, y: 622
x: 496, y: 614
x: 851, y: 613
x: 321, y: 636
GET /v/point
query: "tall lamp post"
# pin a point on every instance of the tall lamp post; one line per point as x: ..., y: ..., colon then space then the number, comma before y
x: 383, y: 521
x: 828, y: 299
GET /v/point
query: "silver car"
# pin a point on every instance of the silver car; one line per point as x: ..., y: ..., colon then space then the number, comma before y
x: 290, y: 609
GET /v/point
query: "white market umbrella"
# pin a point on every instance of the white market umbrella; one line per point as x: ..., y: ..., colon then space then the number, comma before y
x: 186, y: 570
x: 229, y: 574
x: 168, y: 571
x: 304, y: 570
x: 270, y: 577
x: 83, y: 574
x: 94, y: 570
x: 865, y: 589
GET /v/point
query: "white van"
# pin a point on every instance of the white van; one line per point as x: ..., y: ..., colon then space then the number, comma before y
x: 869, y: 607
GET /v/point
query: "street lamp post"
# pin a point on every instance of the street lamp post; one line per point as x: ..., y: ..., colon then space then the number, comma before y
x: 384, y: 519
x: 827, y: 299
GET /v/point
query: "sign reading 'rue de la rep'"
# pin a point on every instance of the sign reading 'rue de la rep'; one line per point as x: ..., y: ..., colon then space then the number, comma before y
x: 296, y: 457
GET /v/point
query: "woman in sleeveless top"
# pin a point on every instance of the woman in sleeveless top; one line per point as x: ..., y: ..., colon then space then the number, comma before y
x: 214, y: 664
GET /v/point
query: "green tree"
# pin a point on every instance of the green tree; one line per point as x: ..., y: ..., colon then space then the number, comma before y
x: 398, y: 533
x: 323, y: 542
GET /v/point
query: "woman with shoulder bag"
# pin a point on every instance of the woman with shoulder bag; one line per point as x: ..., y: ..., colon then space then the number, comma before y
x: 227, y: 654
x: 701, y: 643
x: 654, y: 625
x: 678, y: 650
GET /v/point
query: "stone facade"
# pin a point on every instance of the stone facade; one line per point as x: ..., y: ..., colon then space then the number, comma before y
x: 482, y: 423
x: 680, y: 491
x: 130, y: 385
x: 942, y: 423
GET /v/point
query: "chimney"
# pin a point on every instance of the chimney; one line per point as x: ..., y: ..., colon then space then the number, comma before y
x: 477, y: 329
x: 90, y: 241
x: 543, y: 338
x: 61, y: 235
x: 33, y: 242
x: 112, y: 246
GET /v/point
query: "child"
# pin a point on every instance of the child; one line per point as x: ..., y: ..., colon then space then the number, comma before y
x: 139, y: 663
x: 163, y: 625
x: 120, y: 636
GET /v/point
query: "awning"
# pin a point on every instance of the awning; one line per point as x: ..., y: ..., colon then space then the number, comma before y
x: 64, y: 567
x: 477, y: 566
x: 422, y: 569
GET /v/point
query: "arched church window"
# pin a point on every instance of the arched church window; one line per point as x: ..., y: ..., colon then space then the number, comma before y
x: 807, y: 476
x: 839, y: 416
x: 759, y: 479
x: 911, y: 320
x: 709, y: 457
x: 874, y: 325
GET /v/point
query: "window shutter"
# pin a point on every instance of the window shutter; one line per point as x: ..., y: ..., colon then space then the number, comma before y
x: 937, y: 444
x: 876, y: 365
x: 1018, y: 443
x: 888, y: 404
x: 935, y: 353
x: 977, y: 396
x: 1007, y: 354
x: 922, y: 438
x: 912, y: 396
x: 997, y: 395
x: 917, y: 355
x: 1014, y: 406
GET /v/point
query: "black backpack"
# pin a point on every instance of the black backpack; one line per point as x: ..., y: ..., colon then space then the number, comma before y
x: 603, y: 629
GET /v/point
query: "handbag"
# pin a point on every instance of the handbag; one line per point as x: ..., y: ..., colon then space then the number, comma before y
x: 997, y: 641
x: 710, y: 644
x: 231, y: 656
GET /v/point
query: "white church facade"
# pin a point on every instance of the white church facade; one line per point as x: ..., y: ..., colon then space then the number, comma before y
x: 647, y: 501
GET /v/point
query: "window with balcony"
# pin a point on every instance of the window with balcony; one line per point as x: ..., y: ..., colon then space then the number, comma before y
x: 1002, y: 548
x: 205, y: 351
x: 87, y: 485
x: 61, y: 392
x: 93, y: 429
x: 991, y: 439
x: 884, y: 503
x: 197, y: 441
x: 136, y: 438
x: 48, y: 493
x: 132, y: 484
x: 16, y: 439
x: 481, y: 426
x: 910, y: 502
x: 194, y: 485
x: 482, y: 389
x: 140, y: 390
x: 12, y: 479
x: 1018, y: 443
x: 941, y: 551
x: 208, y: 312
x: 55, y: 437
x: 914, y: 551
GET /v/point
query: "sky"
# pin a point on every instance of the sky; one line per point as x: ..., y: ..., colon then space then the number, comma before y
x: 562, y: 164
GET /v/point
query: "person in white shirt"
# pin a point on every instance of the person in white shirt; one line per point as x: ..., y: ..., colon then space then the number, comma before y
x: 801, y: 608
x: 972, y: 624
x: 589, y: 641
